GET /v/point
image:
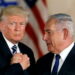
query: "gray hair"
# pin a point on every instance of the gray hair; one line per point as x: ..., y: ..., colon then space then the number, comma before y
x: 63, y: 21
x: 13, y: 10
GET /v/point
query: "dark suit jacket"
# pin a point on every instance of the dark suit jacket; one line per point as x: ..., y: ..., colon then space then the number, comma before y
x: 43, y: 66
x: 5, y: 57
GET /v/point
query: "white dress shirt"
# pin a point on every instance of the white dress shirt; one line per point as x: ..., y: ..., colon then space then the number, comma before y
x: 63, y: 56
x: 10, y: 45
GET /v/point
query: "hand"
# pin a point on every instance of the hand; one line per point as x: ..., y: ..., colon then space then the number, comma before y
x: 17, y: 58
x: 22, y: 59
x: 25, y: 62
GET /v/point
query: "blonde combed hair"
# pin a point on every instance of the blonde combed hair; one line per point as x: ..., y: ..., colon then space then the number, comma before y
x: 14, y: 10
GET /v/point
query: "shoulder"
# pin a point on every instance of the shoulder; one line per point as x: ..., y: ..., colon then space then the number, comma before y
x: 46, y: 58
x: 44, y: 63
x: 23, y: 46
x: 27, y: 50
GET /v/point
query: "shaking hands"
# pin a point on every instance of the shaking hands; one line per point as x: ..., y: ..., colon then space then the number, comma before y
x: 22, y: 59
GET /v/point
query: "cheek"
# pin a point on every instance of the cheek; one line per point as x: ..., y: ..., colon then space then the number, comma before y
x: 8, y: 35
x: 58, y: 40
x: 55, y: 40
x: 23, y: 31
x: 9, y: 30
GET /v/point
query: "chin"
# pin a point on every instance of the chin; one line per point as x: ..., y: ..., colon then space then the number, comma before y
x: 51, y: 50
x: 17, y: 40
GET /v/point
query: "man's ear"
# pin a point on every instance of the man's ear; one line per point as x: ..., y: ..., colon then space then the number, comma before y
x: 65, y: 33
x: 1, y: 25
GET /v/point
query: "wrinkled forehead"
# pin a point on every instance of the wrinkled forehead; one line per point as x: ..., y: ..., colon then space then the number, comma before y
x: 15, y: 18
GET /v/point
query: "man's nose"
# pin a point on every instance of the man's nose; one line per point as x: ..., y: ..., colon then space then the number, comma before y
x: 45, y: 37
x: 17, y: 27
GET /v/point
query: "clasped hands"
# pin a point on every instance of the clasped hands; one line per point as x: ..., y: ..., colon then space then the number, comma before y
x: 22, y: 59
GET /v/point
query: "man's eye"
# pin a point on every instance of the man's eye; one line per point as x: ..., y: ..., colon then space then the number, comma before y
x: 23, y: 24
x: 50, y: 32
x: 12, y: 23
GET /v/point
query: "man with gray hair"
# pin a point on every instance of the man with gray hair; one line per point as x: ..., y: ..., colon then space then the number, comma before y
x: 59, y: 32
x: 15, y: 57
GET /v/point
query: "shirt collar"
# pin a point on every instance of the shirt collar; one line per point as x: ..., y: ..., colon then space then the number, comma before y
x: 10, y: 44
x: 66, y: 51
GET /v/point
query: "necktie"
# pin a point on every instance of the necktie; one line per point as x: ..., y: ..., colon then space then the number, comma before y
x: 55, y: 68
x: 14, y: 48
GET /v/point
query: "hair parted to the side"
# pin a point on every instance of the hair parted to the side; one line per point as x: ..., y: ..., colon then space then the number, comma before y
x: 63, y: 21
x: 13, y: 10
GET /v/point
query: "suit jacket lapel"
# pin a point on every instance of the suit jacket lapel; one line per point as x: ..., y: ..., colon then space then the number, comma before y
x: 68, y: 61
x: 48, y: 62
x: 3, y: 45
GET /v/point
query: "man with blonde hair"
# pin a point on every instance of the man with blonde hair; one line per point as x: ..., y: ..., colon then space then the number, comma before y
x: 15, y: 57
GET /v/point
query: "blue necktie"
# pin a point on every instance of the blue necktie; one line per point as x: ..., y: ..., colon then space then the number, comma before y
x: 55, y: 68
x: 14, y: 48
